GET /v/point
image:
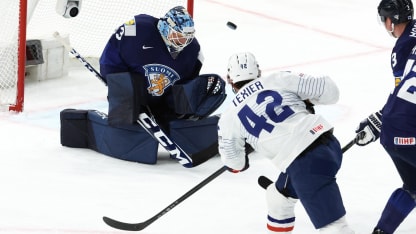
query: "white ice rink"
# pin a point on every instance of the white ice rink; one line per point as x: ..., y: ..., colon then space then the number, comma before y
x: 47, y: 188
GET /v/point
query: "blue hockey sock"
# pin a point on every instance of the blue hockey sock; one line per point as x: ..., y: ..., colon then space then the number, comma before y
x: 399, y: 205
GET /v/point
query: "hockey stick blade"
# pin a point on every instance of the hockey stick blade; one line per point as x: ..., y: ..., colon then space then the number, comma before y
x: 140, y: 226
x: 264, y: 182
x: 126, y: 226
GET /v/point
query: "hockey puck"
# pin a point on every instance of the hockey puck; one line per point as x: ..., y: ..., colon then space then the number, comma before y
x: 231, y: 25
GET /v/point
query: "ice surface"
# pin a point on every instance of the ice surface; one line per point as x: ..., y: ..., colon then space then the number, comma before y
x: 47, y: 188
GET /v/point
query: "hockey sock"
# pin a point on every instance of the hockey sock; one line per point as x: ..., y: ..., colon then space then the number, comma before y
x: 276, y: 226
x: 399, y: 205
x: 281, y: 211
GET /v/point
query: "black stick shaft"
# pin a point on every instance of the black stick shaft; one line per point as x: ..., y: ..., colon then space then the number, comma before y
x: 349, y: 145
x: 140, y: 226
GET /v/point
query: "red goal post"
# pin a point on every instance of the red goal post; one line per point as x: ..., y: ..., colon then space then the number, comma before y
x: 24, y: 22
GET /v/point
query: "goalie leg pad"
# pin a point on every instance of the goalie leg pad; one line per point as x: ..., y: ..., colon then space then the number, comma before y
x: 281, y: 211
x: 127, y: 142
x: 195, y: 136
x: 90, y: 129
x: 74, y: 130
x: 126, y: 94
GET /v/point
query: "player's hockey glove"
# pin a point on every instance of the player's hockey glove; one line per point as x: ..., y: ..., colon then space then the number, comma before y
x: 309, y: 106
x: 249, y: 149
x: 246, y: 166
x: 369, y: 129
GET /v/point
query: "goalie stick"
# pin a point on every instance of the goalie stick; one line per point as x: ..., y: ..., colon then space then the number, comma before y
x: 148, y: 122
x: 156, y: 132
x: 264, y: 182
x: 140, y: 226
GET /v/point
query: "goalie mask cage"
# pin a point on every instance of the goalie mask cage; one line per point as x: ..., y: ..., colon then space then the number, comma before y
x: 88, y: 33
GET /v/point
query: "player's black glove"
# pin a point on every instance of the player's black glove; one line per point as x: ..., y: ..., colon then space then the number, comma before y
x: 369, y: 129
x: 309, y: 106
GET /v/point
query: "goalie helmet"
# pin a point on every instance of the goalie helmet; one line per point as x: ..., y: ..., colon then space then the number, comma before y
x: 399, y: 11
x: 177, y: 29
x: 242, y: 67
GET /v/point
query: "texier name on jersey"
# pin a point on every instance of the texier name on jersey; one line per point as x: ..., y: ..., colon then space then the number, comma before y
x: 246, y: 92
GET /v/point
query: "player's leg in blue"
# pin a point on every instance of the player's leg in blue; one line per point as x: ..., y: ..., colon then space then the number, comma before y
x: 313, y: 177
x: 402, y: 200
x: 399, y: 205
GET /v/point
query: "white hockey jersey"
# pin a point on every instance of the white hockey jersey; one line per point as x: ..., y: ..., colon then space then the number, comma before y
x: 269, y: 113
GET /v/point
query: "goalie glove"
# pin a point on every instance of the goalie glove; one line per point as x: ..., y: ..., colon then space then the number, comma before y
x: 369, y: 129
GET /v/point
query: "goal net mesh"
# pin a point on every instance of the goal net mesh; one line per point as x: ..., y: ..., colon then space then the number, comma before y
x: 88, y: 32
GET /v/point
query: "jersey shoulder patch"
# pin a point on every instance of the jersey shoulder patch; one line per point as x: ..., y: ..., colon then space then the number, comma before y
x: 130, y: 27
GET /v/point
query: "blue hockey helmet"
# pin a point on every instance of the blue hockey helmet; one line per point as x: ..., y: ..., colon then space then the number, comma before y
x: 399, y: 11
x: 177, y: 29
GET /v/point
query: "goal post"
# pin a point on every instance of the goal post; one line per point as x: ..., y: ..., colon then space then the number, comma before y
x: 26, y: 21
x: 12, y: 54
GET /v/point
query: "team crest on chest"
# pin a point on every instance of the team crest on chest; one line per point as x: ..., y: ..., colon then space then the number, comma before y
x: 160, y: 77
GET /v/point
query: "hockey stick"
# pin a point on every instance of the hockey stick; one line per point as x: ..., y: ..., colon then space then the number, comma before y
x: 157, y: 133
x: 264, y: 182
x: 140, y: 226
x: 147, y: 122
x: 349, y: 145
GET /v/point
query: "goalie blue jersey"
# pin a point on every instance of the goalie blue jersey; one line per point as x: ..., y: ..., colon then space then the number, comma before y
x: 402, y: 49
x: 138, y: 47
x: 399, y: 113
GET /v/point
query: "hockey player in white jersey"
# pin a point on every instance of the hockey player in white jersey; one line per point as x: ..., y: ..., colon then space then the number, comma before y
x: 270, y: 114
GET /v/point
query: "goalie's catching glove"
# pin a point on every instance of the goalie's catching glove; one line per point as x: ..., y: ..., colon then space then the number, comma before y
x: 369, y: 129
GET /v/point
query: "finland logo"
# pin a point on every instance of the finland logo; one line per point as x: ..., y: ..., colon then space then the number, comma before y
x: 160, y: 77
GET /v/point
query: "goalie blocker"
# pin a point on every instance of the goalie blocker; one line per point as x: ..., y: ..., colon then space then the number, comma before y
x: 118, y: 134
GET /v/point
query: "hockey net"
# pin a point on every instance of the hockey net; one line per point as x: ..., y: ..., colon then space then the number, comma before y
x: 88, y: 32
